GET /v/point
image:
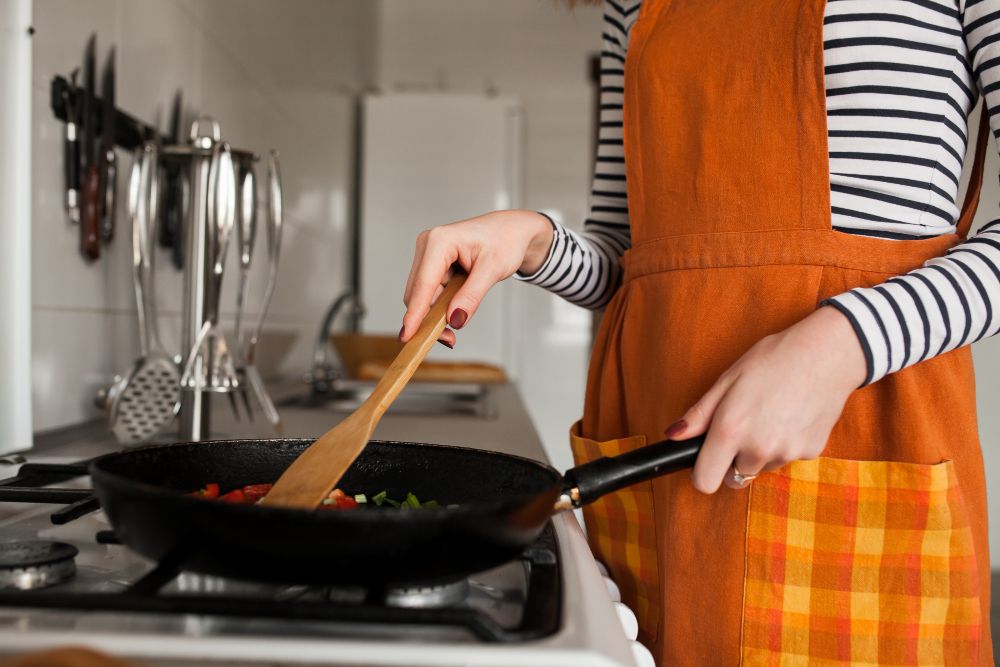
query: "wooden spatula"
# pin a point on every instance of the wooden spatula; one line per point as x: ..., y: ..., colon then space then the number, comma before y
x: 316, y: 472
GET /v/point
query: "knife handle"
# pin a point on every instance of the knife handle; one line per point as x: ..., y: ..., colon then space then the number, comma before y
x: 71, y: 167
x: 108, y: 208
x: 90, y: 216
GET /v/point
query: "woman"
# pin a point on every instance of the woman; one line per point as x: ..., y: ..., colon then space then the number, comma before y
x: 794, y: 281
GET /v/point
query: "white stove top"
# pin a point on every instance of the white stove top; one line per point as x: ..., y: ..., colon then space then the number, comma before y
x: 589, y: 633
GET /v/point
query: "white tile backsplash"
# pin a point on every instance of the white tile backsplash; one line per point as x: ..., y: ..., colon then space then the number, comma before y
x: 274, y: 74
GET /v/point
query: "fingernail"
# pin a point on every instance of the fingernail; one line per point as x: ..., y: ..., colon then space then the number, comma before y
x: 458, y: 318
x: 446, y: 344
x: 401, y: 330
x: 676, y: 428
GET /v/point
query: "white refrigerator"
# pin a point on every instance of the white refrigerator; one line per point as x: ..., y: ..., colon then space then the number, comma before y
x: 430, y: 159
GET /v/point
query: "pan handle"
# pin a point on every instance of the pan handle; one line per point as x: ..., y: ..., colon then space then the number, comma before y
x: 588, y: 482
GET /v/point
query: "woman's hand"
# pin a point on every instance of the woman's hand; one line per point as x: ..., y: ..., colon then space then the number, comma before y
x: 489, y: 247
x: 777, y: 403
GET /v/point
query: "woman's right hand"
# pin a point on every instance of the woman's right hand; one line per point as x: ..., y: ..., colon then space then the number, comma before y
x: 490, y: 248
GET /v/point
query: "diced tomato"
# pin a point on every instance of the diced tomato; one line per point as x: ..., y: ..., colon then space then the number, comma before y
x: 346, y: 503
x: 210, y: 491
x: 255, y: 492
x: 234, y: 496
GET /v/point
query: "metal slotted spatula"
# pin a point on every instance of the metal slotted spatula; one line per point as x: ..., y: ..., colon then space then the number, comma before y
x: 144, y: 401
x: 317, y: 470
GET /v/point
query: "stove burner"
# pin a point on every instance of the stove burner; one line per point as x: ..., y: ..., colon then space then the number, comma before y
x: 428, y: 597
x: 36, y: 564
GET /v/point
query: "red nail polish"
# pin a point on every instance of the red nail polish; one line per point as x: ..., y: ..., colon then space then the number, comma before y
x: 458, y: 318
x: 676, y: 428
x: 446, y: 344
x: 401, y: 330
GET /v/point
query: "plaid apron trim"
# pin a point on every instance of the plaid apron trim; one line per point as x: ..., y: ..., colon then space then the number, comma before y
x: 622, y: 533
x: 861, y: 563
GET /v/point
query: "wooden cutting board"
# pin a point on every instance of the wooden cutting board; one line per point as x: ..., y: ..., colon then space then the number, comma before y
x: 366, y: 357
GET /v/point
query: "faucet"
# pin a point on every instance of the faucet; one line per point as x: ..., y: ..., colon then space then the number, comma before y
x: 326, y: 368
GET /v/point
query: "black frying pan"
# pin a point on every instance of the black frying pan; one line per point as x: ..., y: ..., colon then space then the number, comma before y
x: 504, y: 502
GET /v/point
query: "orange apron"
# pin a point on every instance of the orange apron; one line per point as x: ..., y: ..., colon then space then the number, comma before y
x: 875, y: 553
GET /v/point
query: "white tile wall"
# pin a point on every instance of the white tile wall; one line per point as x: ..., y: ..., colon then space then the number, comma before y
x: 536, y: 51
x: 275, y: 74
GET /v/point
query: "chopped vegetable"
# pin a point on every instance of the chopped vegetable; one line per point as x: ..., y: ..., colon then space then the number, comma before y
x: 337, y: 500
x: 234, y: 496
x: 255, y: 492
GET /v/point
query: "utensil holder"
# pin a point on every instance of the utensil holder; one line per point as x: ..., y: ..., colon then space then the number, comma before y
x: 199, y: 266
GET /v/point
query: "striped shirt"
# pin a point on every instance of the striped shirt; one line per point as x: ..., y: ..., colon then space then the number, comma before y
x: 901, y: 79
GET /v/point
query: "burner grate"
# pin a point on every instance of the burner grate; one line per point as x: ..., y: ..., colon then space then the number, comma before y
x: 540, y: 616
x: 378, y: 605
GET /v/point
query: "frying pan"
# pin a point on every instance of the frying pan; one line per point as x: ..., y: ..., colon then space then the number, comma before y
x: 503, y: 503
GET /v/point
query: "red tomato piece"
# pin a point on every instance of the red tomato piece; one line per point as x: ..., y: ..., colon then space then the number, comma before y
x: 337, y: 494
x: 346, y: 503
x: 255, y: 492
x: 234, y: 496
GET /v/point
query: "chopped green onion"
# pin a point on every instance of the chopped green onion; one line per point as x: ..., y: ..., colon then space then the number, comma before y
x: 360, y: 499
x: 328, y: 501
x: 379, y: 498
x: 412, y: 501
x: 431, y: 504
x: 391, y: 502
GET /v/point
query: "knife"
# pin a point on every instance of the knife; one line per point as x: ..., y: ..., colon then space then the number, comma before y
x: 107, y: 159
x: 171, y: 227
x: 71, y: 148
x: 90, y: 218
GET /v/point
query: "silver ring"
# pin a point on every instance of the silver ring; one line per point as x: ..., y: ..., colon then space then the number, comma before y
x: 740, y: 478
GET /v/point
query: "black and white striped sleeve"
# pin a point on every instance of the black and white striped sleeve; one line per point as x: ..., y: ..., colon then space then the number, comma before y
x: 952, y: 300
x: 584, y: 268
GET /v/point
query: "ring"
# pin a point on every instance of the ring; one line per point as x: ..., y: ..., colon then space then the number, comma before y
x: 740, y: 478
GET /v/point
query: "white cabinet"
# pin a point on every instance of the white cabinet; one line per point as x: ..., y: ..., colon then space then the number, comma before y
x: 15, y: 232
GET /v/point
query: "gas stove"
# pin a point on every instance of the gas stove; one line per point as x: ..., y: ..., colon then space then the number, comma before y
x: 65, y: 579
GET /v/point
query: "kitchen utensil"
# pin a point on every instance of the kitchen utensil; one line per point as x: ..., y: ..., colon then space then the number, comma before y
x: 90, y: 194
x: 275, y: 224
x: 146, y: 399
x: 171, y: 224
x: 71, y: 148
x: 503, y: 502
x: 316, y: 472
x: 216, y: 370
x: 107, y: 159
x: 246, y: 232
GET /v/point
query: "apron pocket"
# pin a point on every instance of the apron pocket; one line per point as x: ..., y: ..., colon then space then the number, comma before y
x: 622, y: 533
x: 867, y: 562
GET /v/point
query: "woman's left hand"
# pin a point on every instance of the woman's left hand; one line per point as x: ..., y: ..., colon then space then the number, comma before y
x: 777, y: 403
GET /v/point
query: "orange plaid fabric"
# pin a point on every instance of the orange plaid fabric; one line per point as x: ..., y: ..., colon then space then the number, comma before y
x: 622, y: 533
x: 861, y: 563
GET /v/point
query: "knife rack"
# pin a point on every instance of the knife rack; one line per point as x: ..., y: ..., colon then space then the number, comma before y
x: 130, y: 132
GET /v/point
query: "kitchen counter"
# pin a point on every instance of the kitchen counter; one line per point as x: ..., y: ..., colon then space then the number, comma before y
x: 511, y: 431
